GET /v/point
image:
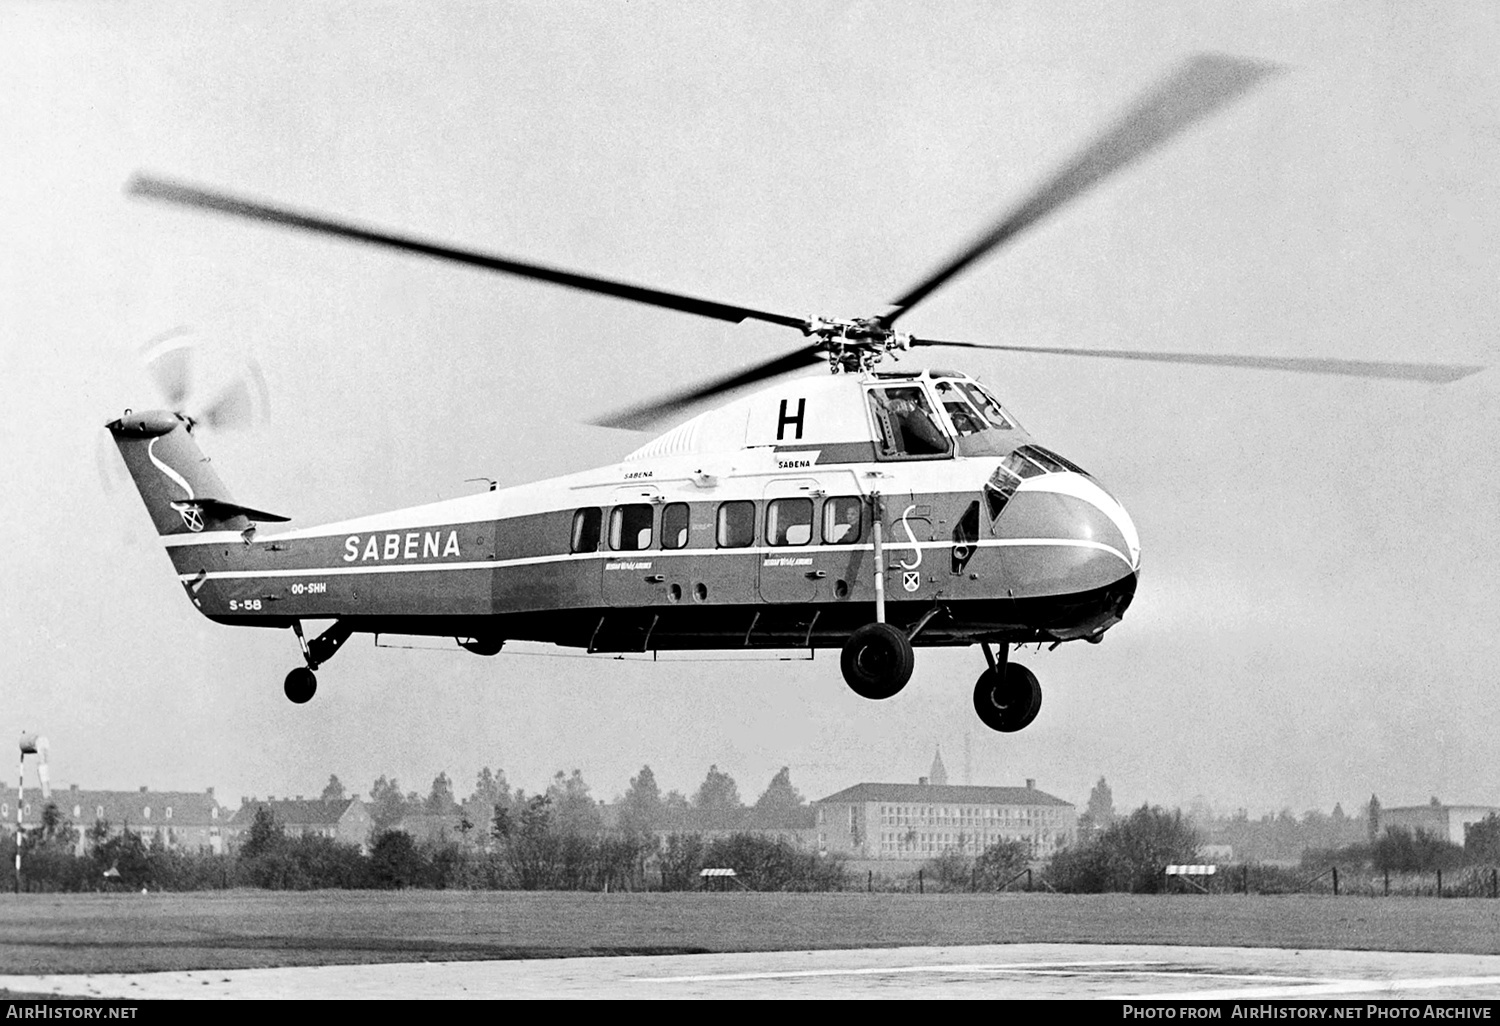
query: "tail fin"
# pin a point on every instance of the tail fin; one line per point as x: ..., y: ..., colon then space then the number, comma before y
x: 181, y: 491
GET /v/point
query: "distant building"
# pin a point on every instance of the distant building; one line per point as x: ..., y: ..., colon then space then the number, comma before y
x: 441, y: 826
x: 923, y: 820
x: 179, y: 820
x: 1450, y: 822
x: 938, y: 775
x: 343, y: 819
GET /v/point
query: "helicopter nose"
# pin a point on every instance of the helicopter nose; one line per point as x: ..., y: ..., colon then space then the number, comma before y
x: 1081, y: 535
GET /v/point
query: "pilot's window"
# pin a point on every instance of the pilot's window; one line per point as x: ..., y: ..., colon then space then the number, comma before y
x: 905, y: 423
x: 841, y: 517
x: 988, y: 406
x: 736, y: 524
x: 630, y: 527
x: 674, y: 526
x: 789, y: 521
x: 586, y: 524
x: 965, y: 419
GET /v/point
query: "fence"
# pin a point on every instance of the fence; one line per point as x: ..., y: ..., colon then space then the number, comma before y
x: 1340, y: 881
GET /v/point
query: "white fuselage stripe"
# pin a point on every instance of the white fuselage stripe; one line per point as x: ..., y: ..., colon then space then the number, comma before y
x: 566, y: 557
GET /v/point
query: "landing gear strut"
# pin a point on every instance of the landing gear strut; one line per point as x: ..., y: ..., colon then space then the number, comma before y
x: 302, y: 683
x: 1007, y: 696
x: 877, y: 660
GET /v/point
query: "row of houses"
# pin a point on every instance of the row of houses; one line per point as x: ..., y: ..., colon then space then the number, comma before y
x: 869, y: 821
x: 866, y: 821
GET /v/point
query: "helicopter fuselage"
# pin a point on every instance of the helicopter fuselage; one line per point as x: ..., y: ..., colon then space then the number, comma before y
x: 754, y: 525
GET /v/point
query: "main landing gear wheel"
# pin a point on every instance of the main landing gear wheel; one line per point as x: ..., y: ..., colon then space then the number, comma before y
x: 1007, y: 697
x: 877, y: 660
x: 301, y: 684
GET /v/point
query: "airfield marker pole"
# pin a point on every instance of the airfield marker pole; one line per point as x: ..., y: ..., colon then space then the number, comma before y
x: 31, y: 744
x: 876, y: 514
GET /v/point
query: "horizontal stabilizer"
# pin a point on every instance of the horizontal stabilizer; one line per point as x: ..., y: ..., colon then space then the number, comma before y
x: 225, y: 510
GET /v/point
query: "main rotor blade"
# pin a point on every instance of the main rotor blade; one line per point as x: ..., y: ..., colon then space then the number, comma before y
x: 648, y: 413
x: 207, y: 199
x: 1201, y: 86
x: 1435, y: 372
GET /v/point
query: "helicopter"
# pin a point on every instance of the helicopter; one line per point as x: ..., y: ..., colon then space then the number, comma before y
x: 874, y: 509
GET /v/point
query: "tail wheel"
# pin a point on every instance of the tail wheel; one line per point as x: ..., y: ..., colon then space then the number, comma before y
x: 1007, y: 699
x: 301, y: 684
x: 877, y: 660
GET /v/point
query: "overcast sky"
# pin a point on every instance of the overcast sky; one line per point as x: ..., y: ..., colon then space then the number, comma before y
x: 1316, y: 619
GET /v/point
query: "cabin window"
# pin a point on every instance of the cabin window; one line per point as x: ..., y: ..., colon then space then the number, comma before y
x: 789, y: 521
x: 674, y: 526
x: 630, y: 527
x: 841, y: 518
x: 905, y: 424
x: 736, y: 524
x: 586, y: 529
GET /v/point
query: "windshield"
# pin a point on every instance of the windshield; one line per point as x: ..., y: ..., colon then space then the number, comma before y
x: 980, y: 426
x: 1025, y: 461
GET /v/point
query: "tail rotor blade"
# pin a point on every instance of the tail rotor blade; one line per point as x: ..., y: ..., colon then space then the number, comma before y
x: 168, y: 359
x: 241, y: 403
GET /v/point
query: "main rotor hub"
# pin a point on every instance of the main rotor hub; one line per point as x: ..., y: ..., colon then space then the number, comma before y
x: 857, y: 344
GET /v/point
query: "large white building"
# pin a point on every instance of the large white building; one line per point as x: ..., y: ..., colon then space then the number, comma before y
x: 1449, y: 822
x: 924, y: 820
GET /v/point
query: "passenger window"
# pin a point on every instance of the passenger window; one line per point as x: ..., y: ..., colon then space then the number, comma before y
x: 789, y: 521
x: 906, y: 424
x: 736, y: 524
x: 586, y: 524
x: 841, y: 518
x: 674, y: 526
x: 630, y: 527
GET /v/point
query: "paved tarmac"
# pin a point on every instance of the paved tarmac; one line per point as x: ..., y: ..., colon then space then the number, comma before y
x: 1012, y: 971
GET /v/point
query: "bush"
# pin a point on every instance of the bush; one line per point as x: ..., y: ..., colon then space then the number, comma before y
x: 1130, y: 855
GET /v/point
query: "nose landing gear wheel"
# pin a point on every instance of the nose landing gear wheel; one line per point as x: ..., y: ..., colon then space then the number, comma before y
x: 877, y: 660
x: 1008, y: 697
x: 301, y: 684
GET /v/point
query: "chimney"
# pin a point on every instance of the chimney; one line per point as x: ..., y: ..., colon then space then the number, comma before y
x: 299, y: 797
x: 1031, y: 783
x: 210, y: 792
x: 143, y: 789
x: 921, y: 781
x: 73, y: 788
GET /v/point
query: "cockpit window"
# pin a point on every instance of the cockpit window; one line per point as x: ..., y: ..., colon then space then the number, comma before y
x: 965, y: 419
x: 1025, y: 461
x: 905, y: 423
x: 987, y: 405
x: 1007, y: 478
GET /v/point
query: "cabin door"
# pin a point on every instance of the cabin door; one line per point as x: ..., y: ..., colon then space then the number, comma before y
x: 789, y: 541
x: 633, y: 569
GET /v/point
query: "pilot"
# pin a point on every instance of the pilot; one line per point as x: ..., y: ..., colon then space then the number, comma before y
x: 919, y: 434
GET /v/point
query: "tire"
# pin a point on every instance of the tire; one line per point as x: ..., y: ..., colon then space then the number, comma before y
x: 1008, y: 703
x: 877, y: 661
x: 301, y: 684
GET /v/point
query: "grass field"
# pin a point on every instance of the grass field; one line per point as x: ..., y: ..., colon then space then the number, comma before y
x: 60, y: 933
